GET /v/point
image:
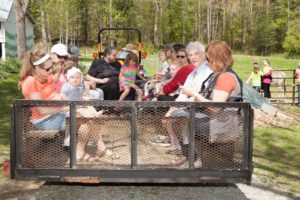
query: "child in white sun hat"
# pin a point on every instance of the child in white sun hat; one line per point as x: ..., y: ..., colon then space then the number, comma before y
x: 74, y: 90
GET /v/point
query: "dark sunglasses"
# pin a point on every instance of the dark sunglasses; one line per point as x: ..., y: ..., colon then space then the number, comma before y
x: 206, y: 58
x: 62, y: 57
x: 182, y: 57
x: 47, y: 70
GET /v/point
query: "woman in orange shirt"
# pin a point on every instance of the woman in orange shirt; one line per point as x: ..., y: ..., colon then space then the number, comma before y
x: 36, y: 83
x: 227, y: 85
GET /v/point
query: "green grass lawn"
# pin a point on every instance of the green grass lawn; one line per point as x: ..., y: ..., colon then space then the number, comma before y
x: 276, y: 156
x: 276, y: 150
x: 243, y: 64
x: 8, y: 92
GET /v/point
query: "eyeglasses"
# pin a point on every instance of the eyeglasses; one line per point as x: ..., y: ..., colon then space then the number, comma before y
x: 47, y: 70
x: 178, y: 56
x: 206, y: 58
x: 61, y: 57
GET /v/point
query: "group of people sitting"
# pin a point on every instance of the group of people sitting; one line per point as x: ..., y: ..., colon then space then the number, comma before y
x: 189, y: 73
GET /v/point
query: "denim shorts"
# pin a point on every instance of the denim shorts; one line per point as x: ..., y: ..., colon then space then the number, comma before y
x: 53, y: 122
x: 183, y: 113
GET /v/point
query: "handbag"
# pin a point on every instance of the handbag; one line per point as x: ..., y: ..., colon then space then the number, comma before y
x: 225, y: 127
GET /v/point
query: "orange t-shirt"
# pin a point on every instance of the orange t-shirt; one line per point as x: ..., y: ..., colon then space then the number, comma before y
x: 226, y: 82
x: 46, y: 90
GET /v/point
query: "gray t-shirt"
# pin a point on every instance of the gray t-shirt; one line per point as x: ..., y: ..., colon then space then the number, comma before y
x: 72, y: 92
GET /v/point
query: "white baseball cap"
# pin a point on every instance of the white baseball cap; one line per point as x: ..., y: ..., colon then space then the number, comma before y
x: 60, y: 49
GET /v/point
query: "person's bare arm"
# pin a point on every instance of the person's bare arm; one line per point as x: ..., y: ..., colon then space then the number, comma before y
x: 140, y: 76
x: 217, y: 95
x: 97, y: 80
x: 47, y: 110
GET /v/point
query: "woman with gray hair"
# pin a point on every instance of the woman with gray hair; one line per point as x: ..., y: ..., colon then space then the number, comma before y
x: 196, y: 55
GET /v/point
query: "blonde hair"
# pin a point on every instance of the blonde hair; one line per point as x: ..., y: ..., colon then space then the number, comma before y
x: 57, y: 68
x: 220, y: 54
x: 28, y: 69
x: 176, y: 64
x: 68, y: 65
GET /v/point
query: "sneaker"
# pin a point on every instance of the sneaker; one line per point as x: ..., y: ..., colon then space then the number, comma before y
x: 180, y: 160
x: 161, y: 140
x: 198, y: 163
x: 66, y: 141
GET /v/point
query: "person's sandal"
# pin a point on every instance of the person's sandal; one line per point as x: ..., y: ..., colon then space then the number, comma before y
x: 108, y: 154
x: 88, y: 158
x: 179, y: 161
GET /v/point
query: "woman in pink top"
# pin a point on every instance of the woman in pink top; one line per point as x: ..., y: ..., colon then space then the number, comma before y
x: 266, y: 78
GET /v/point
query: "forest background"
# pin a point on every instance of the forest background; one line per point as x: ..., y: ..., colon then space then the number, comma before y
x: 255, y: 27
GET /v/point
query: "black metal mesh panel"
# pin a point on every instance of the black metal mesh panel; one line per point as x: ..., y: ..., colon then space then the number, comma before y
x: 164, y: 131
x: 159, y: 137
x: 107, y: 144
x: 39, y: 148
x: 219, y: 138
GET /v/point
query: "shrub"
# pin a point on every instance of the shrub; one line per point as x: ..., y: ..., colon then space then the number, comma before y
x: 11, y: 65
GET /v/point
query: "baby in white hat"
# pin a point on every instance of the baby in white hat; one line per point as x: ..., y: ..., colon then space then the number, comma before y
x: 74, y: 90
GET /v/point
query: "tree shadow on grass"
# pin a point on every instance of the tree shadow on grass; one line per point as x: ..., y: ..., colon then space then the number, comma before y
x: 279, y: 173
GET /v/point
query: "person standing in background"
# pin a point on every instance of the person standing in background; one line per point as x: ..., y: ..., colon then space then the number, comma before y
x: 297, y: 75
x: 255, y: 77
x: 266, y: 78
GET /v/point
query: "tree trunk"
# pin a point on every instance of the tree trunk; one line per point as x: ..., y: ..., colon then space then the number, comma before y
x: 110, y: 16
x: 161, y: 23
x: 44, y: 27
x: 224, y: 19
x: 208, y: 25
x: 184, y: 15
x: 20, y: 9
x: 156, y: 23
x: 49, y: 35
x: 200, y: 34
x: 245, y: 25
x: 67, y: 24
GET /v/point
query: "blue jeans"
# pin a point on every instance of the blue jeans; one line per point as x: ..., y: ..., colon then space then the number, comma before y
x: 52, y: 122
x: 96, y: 94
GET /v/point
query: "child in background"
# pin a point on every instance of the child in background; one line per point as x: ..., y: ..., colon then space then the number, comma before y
x: 266, y: 78
x: 165, y: 65
x: 150, y: 87
x: 297, y: 76
x: 127, y: 77
x: 155, y: 86
x: 174, y: 67
x: 59, y: 74
x: 255, y: 77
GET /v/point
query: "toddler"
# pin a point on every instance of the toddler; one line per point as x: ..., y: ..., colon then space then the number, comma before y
x: 255, y: 77
x: 150, y: 87
x: 74, y: 90
x: 165, y: 65
x: 127, y: 77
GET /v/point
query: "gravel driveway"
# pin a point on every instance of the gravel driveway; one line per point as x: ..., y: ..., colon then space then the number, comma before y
x: 22, y: 190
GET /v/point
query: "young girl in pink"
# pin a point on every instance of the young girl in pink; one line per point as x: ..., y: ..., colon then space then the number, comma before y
x: 127, y: 77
